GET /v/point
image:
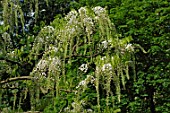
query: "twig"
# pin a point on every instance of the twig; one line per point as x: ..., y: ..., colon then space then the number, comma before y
x: 15, y: 79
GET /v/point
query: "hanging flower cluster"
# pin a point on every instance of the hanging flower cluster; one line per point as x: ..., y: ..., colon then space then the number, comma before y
x: 83, y: 83
x: 45, y: 68
x: 76, y: 36
x: 7, y: 40
x: 129, y: 48
x: 83, y: 68
x: 107, y: 66
x: 99, y: 11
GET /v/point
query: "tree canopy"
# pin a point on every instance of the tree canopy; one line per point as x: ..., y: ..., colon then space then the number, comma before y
x: 84, y: 56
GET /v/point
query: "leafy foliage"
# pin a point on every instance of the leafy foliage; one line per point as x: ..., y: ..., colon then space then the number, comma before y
x: 80, y: 62
x: 81, y: 54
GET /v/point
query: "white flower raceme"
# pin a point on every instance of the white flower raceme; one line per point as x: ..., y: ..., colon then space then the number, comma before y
x: 7, y: 38
x: 50, y: 28
x: 44, y: 37
x: 97, y: 71
x: 1, y: 22
x: 43, y: 10
x: 46, y: 68
x: 73, y: 104
x: 40, y: 69
x: 89, y: 79
x: 88, y: 22
x: 42, y: 64
x: 107, y: 66
x: 129, y: 47
x: 72, y: 30
x: 53, y: 48
x: 11, y: 54
x: 44, y: 74
x: 54, y: 64
x: 82, y: 83
x: 71, y: 14
x: 67, y: 109
x: 82, y: 11
x: 72, y: 17
x: 99, y: 11
x: 40, y: 40
x: 83, y: 68
x: 31, y: 14
x: 103, y: 58
x: 105, y: 44
x: 89, y: 111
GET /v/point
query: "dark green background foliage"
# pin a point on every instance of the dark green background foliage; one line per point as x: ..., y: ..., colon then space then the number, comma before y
x: 147, y: 21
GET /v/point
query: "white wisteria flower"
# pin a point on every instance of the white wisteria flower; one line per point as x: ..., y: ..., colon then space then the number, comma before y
x: 103, y: 58
x: 99, y: 10
x: 72, y: 13
x: 40, y: 40
x: 129, y: 47
x: 107, y: 66
x: 1, y: 22
x: 72, y: 17
x: 42, y: 64
x: 82, y: 11
x: 105, y: 44
x: 55, y: 64
x: 11, y: 54
x: 89, y: 111
x: 44, y: 75
x: 72, y: 30
x: 40, y: 69
x: 6, y: 37
x: 31, y: 14
x: 88, y: 22
x: 53, y: 48
x: 50, y: 28
x: 82, y: 83
x: 89, y: 79
x: 83, y: 68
